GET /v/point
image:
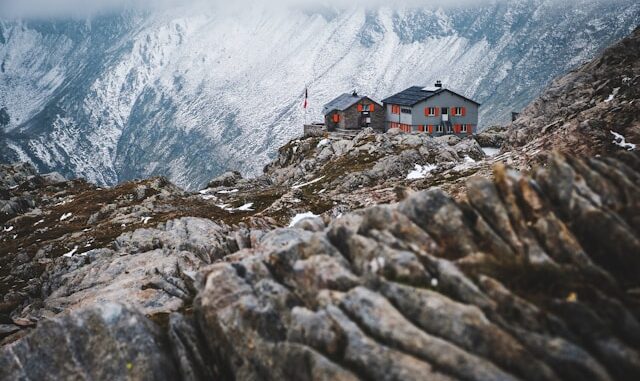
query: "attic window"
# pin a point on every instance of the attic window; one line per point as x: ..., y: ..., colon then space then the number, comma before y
x: 431, y: 111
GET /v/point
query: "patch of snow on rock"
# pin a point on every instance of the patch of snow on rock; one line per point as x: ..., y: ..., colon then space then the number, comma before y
x: 308, y: 183
x: 490, y: 151
x: 324, y: 142
x: 246, y: 207
x: 71, y: 253
x: 8, y: 229
x: 66, y: 216
x: 421, y: 171
x: 612, y: 95
x: 621, y: 141
x: 299, y: 217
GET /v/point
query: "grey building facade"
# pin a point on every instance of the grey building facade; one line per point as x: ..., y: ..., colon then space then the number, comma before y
x: 434, y: 110
x: 353, y: 112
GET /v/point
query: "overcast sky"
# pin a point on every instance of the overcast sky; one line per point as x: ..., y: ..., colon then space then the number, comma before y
x: 83, y: 8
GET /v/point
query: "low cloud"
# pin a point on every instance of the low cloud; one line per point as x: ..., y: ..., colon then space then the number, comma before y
x: 85, y: 8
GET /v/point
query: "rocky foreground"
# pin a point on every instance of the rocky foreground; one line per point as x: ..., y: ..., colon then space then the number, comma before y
x: 526, y: 278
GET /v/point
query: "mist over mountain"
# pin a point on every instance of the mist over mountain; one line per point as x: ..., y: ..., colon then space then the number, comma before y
x: 189, y: 90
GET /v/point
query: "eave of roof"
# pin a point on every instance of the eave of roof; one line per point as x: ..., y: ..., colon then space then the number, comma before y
x: 344, y: 102
x: 416, y: 94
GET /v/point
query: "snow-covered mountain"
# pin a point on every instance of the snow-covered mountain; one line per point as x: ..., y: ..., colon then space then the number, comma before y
x: 188, y: 92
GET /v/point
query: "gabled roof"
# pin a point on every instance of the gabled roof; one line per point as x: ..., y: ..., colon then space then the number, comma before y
x: 417, y: 94
x: 343, y: 102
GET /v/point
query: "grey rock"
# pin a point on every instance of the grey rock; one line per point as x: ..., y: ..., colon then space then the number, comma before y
x: 227, y: 179
x: 104, y: 342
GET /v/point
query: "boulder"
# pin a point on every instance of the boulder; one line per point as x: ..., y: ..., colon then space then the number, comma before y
x: 103, y: 342
x: 227, y: 179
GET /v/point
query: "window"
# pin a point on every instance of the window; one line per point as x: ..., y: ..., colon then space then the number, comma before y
x: 464, y: 128
x: 336, y: 118
x: 406, y: 111
x: 395, y: 109
x: 431, y: 111
x: 459, y: 111
x: 439, y: 128
x: 445, y: 111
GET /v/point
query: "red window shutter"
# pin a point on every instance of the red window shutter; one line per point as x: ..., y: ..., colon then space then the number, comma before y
x: 421, y: 128
x: 464, y: 111
x: 431, y: 128
x: 426, y: 111
x: 360, y: 108
x: 437, y: 111
x: 336, y: 118
x: 372, y: 107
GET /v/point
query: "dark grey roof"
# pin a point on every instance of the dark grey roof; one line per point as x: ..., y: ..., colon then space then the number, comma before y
x: 409, y: 97
x: 417, y: 94
x: 341, y: 103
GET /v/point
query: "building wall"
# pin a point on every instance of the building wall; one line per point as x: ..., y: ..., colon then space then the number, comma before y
x: 446, y: 99
x: 418, y: 118
x: 398, y: 118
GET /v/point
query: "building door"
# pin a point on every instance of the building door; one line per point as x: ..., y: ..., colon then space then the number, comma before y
x: 445, y: 114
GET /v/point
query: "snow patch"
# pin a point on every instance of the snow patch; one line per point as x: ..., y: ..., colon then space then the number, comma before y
x: 421, y: 171
x: 228, y: 191
x: 8, y: 229
x: 66, y: 216
x: 490, y: 151
x: 246, y: 207
x: 308, y: 183
x: 145, y: 220
x: 299, y: 217
x: 612, y: 95
x: 71, y: 253
x: 621, y: 141
x: 324, y: 142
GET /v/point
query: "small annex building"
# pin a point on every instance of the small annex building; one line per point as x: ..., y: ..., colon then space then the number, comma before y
x: 353, y: 112
x: 434, y: 110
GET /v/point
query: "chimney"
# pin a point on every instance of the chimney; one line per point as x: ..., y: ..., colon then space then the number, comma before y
x: 439, y: 84
x: 355, y: 93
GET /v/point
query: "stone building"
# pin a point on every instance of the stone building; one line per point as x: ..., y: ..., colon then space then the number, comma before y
x: 353, y: 112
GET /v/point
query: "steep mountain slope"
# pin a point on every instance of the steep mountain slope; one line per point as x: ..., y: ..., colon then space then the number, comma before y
x: 190, y: 92
x: 593, y: 110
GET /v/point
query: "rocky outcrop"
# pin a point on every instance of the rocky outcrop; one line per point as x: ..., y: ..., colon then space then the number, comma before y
x: 525, y: 278
x: 529, y: 279
x: 104, y: 342
x: 227, y: 179
x: 492, y: 137
x: 587, y: 112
